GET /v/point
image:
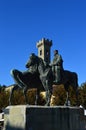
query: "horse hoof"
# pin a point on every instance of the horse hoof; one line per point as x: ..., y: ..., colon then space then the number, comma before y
x: 27, y: 104
x: 47, y: 104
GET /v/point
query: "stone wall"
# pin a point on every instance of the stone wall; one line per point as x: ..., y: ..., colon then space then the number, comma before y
x: 24, y: 117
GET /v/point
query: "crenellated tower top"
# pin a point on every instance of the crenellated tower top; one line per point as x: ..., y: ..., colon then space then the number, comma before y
x: 44, y: 47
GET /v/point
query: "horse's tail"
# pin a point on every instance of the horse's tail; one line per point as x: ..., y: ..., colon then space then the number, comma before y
x: 76, y: 88
x: 75, y: 80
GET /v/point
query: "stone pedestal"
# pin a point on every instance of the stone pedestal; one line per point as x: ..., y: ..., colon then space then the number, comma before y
x: 25, y: 117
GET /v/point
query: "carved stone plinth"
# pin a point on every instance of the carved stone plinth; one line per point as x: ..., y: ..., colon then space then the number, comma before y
x: 25, y: 117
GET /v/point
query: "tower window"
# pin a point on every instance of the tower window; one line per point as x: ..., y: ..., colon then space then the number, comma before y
x: 47, y: 52
x: 40, y: 52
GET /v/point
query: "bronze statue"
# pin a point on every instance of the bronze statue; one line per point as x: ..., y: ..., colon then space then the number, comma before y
x: 62, y: 76
x: 57, y: 67
x: 39, y: 75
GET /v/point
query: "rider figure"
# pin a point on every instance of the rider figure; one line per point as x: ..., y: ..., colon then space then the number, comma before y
x: 57, y: 66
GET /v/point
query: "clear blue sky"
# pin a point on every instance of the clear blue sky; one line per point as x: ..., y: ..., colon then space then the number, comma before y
x: 24, y: 22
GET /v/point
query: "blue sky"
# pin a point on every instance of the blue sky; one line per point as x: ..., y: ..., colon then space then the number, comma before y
x: 24, y: 22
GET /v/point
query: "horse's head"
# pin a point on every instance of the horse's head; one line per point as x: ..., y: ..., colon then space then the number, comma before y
x: 36, y: 62
x: 32, y: 60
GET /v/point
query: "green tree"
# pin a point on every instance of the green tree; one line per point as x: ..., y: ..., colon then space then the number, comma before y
x: 4, y: 99
x: 82, y: 95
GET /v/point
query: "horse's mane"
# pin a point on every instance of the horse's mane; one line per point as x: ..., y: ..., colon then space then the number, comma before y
x: 41, y: 62
x: 42, y: 65
x: 38, y: 59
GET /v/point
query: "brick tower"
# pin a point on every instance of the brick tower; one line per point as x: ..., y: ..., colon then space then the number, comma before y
x: 44, y: 46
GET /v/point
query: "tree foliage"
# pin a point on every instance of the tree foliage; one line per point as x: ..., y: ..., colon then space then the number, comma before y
x: 58, y: 98
x: 82, y: 95
x: 60, y: 95
x: 4, y: 99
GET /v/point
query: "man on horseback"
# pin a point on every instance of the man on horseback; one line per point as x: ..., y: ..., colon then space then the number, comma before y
x: 57, y: 66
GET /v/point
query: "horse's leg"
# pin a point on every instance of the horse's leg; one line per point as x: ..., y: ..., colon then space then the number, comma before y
x: 76, y: 94
x: 45, y: 85
x: 48, y: 93
x: 10, y: 97
x: 67, y: 99
x: 37, y: 97
x: 47, y: 98
x: 16, y: 74
x: 11, y: 93
x: 66, y: 86
x: 25, y: 95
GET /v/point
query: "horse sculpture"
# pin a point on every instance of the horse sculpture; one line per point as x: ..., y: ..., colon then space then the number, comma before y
x: 37, y: 76
x: 42, y: 79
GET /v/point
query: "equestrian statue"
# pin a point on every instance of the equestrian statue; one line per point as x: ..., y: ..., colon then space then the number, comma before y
x: 41, y: 76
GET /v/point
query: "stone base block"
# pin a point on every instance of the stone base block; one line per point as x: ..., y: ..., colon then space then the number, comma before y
x: 25, y: 117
